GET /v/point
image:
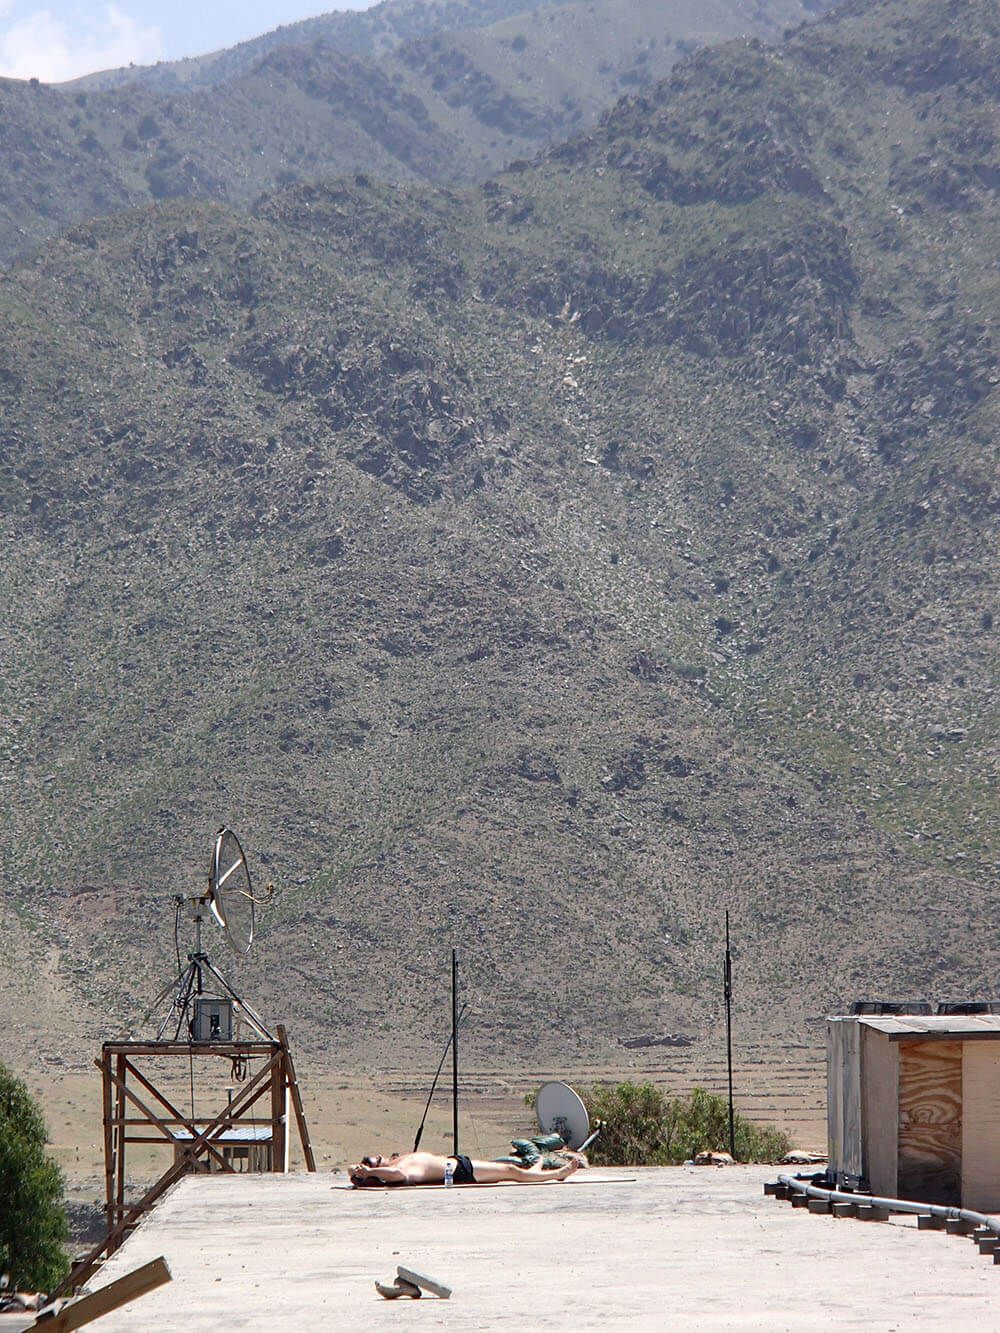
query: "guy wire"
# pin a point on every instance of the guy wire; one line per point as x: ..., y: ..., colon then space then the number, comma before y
x: 430, y: 1095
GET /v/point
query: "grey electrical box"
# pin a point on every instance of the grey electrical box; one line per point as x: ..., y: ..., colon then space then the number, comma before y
x: 213, y: 1019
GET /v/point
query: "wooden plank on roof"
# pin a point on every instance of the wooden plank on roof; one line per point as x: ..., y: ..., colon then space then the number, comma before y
x: 968, y: 1034
x: 75, y: 1314
x: 886, y: 1024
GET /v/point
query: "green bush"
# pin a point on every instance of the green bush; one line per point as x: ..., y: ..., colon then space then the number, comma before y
x: 32, y: 1221
x: 646, y: 1127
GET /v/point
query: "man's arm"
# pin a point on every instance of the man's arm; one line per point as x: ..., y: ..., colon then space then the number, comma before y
x: 389, y: 1175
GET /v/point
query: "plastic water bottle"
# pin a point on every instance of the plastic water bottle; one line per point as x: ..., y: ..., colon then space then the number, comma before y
x: 449, y: 1172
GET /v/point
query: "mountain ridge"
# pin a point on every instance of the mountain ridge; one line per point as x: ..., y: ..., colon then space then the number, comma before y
x: 541, y: 568
x: 444, y: 105
x: 393, y: 23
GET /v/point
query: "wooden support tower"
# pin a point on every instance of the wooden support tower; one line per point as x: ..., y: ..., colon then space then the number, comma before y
x: 137, y: 1111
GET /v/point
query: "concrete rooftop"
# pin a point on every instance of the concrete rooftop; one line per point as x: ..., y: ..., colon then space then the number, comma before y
x: 679, y: 1248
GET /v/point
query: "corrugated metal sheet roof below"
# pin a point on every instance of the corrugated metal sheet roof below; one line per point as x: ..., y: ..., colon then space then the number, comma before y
x: 238, y: 1134
x: 927, y: 1027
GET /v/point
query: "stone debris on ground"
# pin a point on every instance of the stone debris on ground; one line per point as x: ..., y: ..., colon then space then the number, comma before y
x: 407, y: 1277
x: 393, y: 1290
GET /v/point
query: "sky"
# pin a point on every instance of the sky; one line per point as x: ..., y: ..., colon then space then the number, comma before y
x: 63, y: 39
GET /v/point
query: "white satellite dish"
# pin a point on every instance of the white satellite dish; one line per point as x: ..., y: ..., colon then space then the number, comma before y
x: 560, y: 1111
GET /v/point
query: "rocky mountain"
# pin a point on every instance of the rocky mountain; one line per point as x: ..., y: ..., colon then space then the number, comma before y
x: 406, y: 91
x: 538, y: 568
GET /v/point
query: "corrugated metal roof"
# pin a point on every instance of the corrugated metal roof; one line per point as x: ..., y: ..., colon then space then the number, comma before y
x: 238, y: 1134
x: 914, y: 1027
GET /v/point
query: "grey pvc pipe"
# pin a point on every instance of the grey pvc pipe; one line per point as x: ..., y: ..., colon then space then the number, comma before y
x: 894, y: 1205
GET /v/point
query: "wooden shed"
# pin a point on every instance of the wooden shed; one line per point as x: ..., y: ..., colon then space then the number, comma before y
x: 913, y: 1106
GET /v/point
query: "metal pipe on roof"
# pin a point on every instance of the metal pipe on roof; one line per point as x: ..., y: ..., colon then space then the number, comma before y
x: 893, y: 1205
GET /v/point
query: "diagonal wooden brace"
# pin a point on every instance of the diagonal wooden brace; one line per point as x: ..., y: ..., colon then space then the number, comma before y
x: 155, y: 1120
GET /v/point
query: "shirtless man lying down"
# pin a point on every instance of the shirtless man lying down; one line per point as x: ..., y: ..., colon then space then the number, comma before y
x: 427, y: 1168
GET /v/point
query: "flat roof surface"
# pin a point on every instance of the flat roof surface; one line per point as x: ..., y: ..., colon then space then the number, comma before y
x: 915, y: 1026
x: 634, y: 1248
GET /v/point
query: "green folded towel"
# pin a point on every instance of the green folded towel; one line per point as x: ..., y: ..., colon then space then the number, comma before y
x: 549, y: 1142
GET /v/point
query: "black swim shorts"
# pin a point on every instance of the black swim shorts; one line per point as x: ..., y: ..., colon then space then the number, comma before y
x: 463, y: 1171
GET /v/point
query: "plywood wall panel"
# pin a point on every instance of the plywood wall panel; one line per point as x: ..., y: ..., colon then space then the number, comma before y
x: 843, y: 1097
x: 981, y: 1126
x: 879, y: 1111
x: 930, y: 1121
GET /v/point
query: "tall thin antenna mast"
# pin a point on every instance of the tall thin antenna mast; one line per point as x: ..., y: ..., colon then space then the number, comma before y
x: 728, y: 991
x: 454, y: 1052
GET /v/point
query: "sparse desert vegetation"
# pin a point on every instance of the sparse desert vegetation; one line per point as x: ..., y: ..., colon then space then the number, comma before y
x: 646, y: 1127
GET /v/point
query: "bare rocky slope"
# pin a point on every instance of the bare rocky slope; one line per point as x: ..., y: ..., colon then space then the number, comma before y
x: 540, y: 568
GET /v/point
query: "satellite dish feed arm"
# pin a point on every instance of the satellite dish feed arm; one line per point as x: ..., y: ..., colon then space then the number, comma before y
x: 587, y: 1142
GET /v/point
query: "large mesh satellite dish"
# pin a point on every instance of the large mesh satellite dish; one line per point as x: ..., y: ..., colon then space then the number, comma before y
x: 230, y: 899
x: 231, y: 892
